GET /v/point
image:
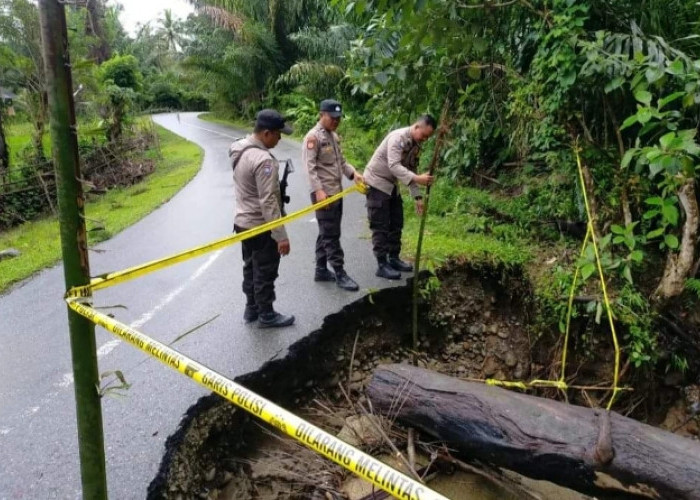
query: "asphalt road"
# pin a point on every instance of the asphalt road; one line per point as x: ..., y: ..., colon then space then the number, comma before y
x: 38, y: 443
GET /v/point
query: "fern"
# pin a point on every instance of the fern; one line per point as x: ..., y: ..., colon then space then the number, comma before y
x: 693, y: 284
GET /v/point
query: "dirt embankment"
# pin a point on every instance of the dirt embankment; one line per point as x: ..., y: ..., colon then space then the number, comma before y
x: 477, y: 325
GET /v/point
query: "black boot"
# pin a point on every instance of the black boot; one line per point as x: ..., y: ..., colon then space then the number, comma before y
x: 274, y: 320
x: 386, y: 271
x: 251, y: 313
x: 323, y: 274
x: 345, y: 282
x: 400, y: 265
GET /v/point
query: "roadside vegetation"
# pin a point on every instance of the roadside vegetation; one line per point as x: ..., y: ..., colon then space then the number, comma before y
x: 533, y: 86
x: 175, y: 162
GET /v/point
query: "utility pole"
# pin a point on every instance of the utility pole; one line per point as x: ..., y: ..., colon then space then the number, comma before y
x: 76, y: 268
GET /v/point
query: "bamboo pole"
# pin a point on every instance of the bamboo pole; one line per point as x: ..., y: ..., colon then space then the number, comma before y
x: 439, y: 140
x: 76, y: 267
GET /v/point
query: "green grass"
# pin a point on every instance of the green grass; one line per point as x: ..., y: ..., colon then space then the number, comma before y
x: 235, y: 123
x: 107, y: 215
x: 19, y: 138
x: 453, y: 237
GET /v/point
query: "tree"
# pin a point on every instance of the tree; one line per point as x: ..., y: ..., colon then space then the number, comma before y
x: 19, y: 30
x: 95, y: 27
x: 169, y: 31
x: 4, y: 153
x: 121, y: 79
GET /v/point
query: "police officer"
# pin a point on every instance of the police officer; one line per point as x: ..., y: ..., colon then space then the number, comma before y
x: 396, y: 159
x: 258, y: 200
x: 325, y: 166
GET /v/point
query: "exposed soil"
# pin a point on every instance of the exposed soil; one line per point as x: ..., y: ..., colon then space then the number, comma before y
x: 476, y: 325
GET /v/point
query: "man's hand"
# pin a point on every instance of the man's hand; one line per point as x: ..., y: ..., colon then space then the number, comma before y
x: 320, y: 196
x: 283, y: 247
x: 420, y: 206
x: 358, y: 178
x: 424, y: 179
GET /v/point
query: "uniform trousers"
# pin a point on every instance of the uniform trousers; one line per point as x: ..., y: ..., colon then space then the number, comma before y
x: 261, y: 261
x: 385, y: 213
x: 328, y: 249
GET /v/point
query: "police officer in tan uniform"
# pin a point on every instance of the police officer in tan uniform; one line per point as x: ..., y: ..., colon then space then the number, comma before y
x: 325, y: 166
x: 395, y: 160
x: 258, y: 200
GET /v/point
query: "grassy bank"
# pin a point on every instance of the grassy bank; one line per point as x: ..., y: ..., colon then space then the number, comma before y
x: 230, y: 122
x: 39, y: 243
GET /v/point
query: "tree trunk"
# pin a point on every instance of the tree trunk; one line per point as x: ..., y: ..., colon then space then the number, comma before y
x: 76, y: 265
x: 4, y: 152
x: 94, y: 26
x: 680, y: 265
x: 593, y: 451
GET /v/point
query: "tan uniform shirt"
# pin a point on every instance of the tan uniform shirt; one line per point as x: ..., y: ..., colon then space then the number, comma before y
x: 257, y: 185
x: 324, y: 162
x: 396, y: 159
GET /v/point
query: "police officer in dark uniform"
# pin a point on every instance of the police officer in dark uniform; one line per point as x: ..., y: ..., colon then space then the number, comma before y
x: 394, y: 161
x: 325, y: 167
x: 258, y: 200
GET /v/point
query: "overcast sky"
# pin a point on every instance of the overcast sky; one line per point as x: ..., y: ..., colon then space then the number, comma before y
x: 142, y: 11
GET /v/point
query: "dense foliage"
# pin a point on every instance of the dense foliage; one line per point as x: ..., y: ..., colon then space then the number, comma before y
x: 531, y: 85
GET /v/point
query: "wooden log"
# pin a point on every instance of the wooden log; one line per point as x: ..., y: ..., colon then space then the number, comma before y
x: 593, y: 451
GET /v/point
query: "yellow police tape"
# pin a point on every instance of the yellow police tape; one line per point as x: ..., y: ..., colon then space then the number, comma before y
x: 348, y: 457
x: 111, y: 279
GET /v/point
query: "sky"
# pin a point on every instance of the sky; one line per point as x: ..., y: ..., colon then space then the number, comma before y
x: 142, y: 11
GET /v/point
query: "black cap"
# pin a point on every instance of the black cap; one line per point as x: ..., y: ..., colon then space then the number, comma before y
x: 332, y: 107
x: 270, y: 119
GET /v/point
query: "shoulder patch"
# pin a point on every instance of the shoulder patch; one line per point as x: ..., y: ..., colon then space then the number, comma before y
x: 311, y: 143
x: 267, y: 167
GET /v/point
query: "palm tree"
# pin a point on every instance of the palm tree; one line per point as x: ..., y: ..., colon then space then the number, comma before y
x: 169, y: 31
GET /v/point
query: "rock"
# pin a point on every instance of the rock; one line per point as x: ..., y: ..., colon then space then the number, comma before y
x: 211, y: 473
x: 357, y: 376
x: 355, y: 387
x: 10, y: 253
x: 490, y: 366
x: 504, y: 334
x: 693, y: 428
x: 493, y: 328
x: 361, y: 430
x: 487, y: 314
x: 511, y: 359
x: 332, y: 381
x: 475, y: 329
x: 518, y: 372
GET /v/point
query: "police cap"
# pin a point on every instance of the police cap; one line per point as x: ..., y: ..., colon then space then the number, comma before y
x: 332, y: 107
x: 270, y: 119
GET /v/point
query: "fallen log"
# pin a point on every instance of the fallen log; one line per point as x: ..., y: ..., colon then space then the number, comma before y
x: 593, y: 451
